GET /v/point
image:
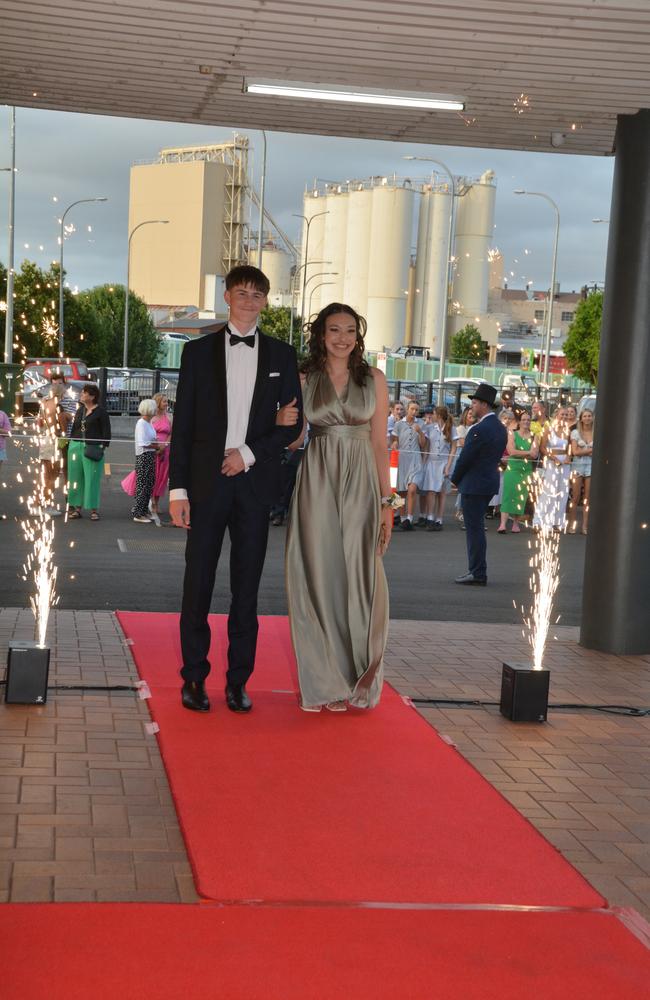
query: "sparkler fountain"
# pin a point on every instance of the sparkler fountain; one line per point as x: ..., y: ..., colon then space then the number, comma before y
x: 524, y: 687
x: 28, y: 662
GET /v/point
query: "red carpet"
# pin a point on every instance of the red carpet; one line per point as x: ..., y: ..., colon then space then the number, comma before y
x: 285, y: 805
x: 130, y: 952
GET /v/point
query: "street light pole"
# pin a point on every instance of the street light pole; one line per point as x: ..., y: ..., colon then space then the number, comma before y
x: 450, y: 269
x: 308, y: 221
x: 319, y: 285
x: 9, y: 315
x: 293, y: 290
x: 551, y: 294
x: 81, y: 201
x: 260, y: 234
x: 147, y: 222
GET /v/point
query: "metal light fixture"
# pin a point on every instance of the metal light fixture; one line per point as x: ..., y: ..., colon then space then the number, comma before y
x: 316, y: 92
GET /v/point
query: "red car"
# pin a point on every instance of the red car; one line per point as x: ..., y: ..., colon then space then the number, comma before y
x: 70, y: 368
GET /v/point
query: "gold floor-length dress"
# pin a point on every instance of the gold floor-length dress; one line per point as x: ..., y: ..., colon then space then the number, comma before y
x: 337, y: 591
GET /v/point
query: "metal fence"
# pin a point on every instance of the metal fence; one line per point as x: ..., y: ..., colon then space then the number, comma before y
x: 122, y: 390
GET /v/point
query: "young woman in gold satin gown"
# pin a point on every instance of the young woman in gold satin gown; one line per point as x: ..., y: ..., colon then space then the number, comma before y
x: 340, y: 521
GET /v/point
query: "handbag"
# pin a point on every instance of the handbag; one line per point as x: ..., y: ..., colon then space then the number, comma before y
x: 94, y: 452
x: 128, y: 484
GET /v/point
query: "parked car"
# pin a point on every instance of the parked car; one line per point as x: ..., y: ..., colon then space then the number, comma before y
x: 34, y: 387
x: 587, y: 403
x: 411, y: 351
x: 457, y: 392
x: 525, y: 388
x: 73, y: 368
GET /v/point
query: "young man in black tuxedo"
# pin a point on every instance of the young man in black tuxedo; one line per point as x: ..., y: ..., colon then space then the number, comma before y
x: 225, y: 473
x: 477, y: 477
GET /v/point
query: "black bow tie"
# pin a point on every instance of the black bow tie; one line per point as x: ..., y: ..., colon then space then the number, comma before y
x: 249, y: 341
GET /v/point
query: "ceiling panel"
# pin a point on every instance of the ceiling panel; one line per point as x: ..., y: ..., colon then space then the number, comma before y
x: 577, y: 64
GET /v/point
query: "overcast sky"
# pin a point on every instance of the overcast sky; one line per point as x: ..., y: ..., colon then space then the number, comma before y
x: 70, y: 156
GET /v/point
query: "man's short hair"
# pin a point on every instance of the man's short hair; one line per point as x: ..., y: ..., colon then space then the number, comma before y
x: 54, y: 374
x: 246, y: 274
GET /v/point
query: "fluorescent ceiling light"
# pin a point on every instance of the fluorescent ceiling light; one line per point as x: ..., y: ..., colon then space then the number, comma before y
x: 400, y: 99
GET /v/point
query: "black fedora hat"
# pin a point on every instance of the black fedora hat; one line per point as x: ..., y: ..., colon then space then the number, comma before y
x: 485, y: 392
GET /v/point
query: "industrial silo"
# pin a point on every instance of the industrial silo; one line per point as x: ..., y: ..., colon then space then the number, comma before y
x: 390, y: 242
x: 430, y: 308
x: 276, y: 264
x: 474, y: 234
x: 357, y: 247
x: 328, y: 286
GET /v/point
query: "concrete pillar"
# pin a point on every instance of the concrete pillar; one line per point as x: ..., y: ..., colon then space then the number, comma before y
x: 616, y: 594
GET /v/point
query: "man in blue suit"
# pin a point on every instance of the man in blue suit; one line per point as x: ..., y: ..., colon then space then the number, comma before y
x: 477, y: 477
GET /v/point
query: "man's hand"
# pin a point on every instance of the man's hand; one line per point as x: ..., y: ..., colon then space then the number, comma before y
x: 180, y: 513
x: 233, y: 463
x: 287, y: 415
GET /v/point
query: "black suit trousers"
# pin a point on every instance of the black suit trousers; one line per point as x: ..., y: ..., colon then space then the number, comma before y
x: 233, y: 506
x: 475, y: 507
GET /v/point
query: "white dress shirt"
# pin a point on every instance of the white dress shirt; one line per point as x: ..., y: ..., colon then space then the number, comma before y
x: 241, y: 373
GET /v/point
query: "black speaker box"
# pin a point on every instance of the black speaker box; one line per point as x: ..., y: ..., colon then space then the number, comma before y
x: 28, y: 666
x: 524, y: 693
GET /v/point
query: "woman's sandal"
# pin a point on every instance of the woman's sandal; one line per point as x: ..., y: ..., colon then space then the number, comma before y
x: 336, y: 706
x: 94, y: 516
x: 311, y: 708
x: 73, y: 515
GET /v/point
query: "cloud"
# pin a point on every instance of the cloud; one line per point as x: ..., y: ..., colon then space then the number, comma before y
x: 82, y: 156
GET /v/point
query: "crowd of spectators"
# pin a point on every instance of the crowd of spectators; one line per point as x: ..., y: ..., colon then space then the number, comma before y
x: 545, y: 470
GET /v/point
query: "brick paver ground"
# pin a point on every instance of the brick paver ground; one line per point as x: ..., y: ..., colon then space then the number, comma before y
x: 86, y: 812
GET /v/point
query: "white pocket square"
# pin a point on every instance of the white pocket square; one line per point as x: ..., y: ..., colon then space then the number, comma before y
x: 274, y: 374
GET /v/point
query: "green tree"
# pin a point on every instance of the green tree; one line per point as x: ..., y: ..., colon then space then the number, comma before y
x: 36, y: 309
x: 466, y: 346
x: 99, y: 319
x: 276, y: 322
x: 582, y: 344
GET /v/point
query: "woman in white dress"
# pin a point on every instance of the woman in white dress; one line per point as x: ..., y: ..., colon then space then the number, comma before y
x: 550, y: 509
x: 442, y: 437
x: 582, y: 443
x: 408, y: 437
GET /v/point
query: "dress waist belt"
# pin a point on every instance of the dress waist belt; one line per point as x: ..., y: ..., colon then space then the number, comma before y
x: 360, y: 431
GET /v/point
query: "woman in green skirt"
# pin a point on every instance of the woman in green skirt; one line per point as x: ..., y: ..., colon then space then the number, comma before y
x: 522, y: 447
x: 89, y: 438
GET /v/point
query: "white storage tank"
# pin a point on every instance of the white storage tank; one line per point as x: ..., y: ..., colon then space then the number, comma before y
x: 474, y: 234
x: 390, y: 242
x: 314, y: 204
x: 430, y: 308
x: 276, y: 264
x: 329, y: 286
x: 357, y: 248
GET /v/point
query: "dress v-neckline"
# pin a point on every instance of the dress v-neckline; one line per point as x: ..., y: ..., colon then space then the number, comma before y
x: 344, y: 395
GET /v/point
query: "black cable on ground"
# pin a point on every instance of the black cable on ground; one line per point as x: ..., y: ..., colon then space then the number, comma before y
x: 86, y: 687
x: 628, y: 710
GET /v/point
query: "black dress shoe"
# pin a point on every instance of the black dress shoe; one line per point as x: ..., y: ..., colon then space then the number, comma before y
x: 471, y: 581
x: 194, y: 697
x: 236, y: 698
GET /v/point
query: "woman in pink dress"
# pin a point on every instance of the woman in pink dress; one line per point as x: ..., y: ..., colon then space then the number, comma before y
x: 163, y: 427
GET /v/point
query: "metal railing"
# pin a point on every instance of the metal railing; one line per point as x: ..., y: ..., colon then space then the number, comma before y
x: 123, y: 389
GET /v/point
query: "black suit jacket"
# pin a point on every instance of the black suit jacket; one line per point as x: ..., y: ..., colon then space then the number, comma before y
x: 201, y: 416
x: 477, y: 468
